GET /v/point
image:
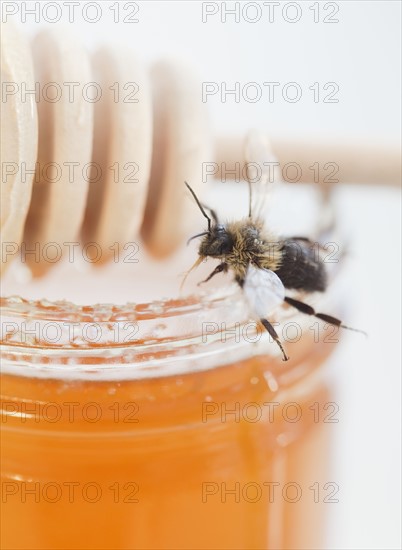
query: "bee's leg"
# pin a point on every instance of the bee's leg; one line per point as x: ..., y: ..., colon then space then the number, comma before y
x: 270, y: 329
x: 218, y: 269
x: 308, y: 310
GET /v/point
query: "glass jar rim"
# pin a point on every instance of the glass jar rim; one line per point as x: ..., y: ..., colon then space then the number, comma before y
x: 171, y: 336
x: 19, y: 307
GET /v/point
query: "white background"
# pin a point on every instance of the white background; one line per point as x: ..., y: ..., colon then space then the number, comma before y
x: 361, y: 53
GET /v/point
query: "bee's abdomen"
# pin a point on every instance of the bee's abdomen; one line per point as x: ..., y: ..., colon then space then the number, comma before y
x: 301, y: 267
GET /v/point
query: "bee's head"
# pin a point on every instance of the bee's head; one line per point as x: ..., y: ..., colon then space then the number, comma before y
x: 216, y: 240
x: 216, y: 243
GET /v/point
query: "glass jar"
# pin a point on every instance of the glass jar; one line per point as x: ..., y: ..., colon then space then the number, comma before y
x: 165, y: 425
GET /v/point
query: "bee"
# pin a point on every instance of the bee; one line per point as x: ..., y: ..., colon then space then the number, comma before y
x: 263, y: 266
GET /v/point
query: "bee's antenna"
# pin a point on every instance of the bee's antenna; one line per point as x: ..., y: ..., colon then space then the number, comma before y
x: 199, y: 206
x: 250, y: 194
x: 198, y: 235
x: 212, y: 212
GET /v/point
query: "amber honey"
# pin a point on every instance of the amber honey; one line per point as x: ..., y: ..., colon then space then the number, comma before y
x: 224, y: 453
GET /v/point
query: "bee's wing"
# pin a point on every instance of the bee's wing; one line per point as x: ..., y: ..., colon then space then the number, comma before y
x: 263, y: 289
x: 262, y: 170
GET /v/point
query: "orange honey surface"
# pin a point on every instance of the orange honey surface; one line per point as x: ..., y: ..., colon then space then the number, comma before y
x: 229, y: 458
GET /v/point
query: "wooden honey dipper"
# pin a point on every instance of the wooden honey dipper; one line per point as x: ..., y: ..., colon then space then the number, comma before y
x: 137, y: 152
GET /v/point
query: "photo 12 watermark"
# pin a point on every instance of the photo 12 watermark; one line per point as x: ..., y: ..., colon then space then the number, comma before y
x: 270, y: 172
x: 270, y: 12
x: 253, y: 331
x: 269, y: 492
x: 53, y: 252
x: 70, y: 92
x: 70, y: 172
x: 270, y: 412
x: 69, y: 412
x: 270, y: 92
x: 70, y: 333
x: 71, y: 12
x: 69, y: 492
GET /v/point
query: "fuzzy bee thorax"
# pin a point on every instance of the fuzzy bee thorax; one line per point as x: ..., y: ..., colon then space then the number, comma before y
x: 241, y: 243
